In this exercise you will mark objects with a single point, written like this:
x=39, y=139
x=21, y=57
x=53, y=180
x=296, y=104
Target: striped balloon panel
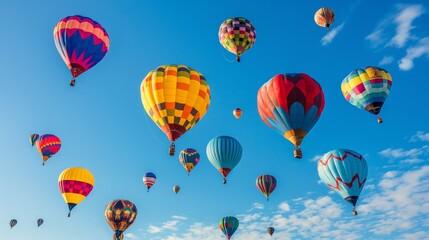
x=149, y=179
x=266, y=184
x=175, y=97
x=48, y=145
x=75, y=184
x=224, y=152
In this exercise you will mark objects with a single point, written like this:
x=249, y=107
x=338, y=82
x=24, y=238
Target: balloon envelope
x=237, y=35
x=324, y=17
x=39, y=222
x=270, y=230
x=149, y=180
x=224, y=153
x=48, y=145
x=189, y=158
x=228, y=225
x=237, y=113
x=367, y=88
x=81, y=43
x=12, y=223
x=120, y=214
x=75, y=185
x=176, y=189
x=266, y=184
x=291, y=104
x=175, y=97
x=345, y=172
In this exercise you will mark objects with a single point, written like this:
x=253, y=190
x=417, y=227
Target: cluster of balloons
x=177, y=97
x=13, y=222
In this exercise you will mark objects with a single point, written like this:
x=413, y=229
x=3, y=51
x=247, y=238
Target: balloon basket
x=297, y=153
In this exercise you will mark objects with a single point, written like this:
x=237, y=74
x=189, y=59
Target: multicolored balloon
x=175, y=97
x=47, y=145
x=270, y=230
x=324, y=17
x=237, y=35
x=224, y=153
x=33, y=139
x=228, y=225
x=345, y=172
x=367, y=89
x=149, y=180
x=189, y=158
x=120, y=214
x=81, y=42
x=266, y=184
x=75, y=185
x=176, y=189
x=291, y=104
x=39, y=222
x=13, y=223
x=237, y=113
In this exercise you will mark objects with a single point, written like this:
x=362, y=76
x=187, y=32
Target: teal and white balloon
x=224, y=153
x=345, y=172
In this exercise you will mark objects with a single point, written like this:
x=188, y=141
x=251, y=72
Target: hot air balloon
x=237, y=35
x=12, y=223
x=189, y=158
x=270, y=230
x=39, y=222
x=176, y=189
x=228, y=225
x=367, y=89
x=175, y=97
x=345, y=172
x=47, y=145
x=291, y=104
x=33, y=139
x=266, y=184
x=120, y=215
x=224, y=153
x=149, y=180
x=324, y=17
x=237, y=113
x=75, y=185
x=81, y=42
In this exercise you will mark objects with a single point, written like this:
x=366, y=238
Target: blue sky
x=104, y=128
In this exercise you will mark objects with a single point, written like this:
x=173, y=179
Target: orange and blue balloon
x=345, y=172
x=149, y=180
x=237, y=113
x=189, y=158
x=266, y=184
x=228, y=225
x=224, y=153
x=81, y=42
x=291, y=104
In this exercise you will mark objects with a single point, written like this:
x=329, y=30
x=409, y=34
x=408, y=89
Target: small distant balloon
x=324, y=17
x=39, y=222
x=33, y=139
x=149, y=180
x=13, y=223
x=270, y=230
x=266, y=184
x=176, y=189
x=237, y=113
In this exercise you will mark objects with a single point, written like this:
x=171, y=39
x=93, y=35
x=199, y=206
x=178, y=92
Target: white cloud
x=331, y=34
x=257, y=206
x=386, y=60
x=284, y=207
x=404, y=20
x=154, y=229
x=316, y=158
x=179, y=217
x=131, y=236
x=244, y=218
x=168, y=225
x=421, y=49
x=401, y=153
x=420, y=135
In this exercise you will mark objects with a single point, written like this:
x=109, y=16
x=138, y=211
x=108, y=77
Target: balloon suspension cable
x=379, y=119
x=68, y=215
x=43, y=163
x=172, y=149
x=268, y=199
x=237, y=58
x=188, y=174
x=148, y=189
x=73, y=82
x=151, y=133
x=328, y=26
x=223, y=53
x=224, y=180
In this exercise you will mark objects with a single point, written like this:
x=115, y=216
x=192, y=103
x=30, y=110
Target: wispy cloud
x=257, y=206
x=420, y=135
x=404, y=20
x=168, y=225
x=316, y=158
x=386, y=60
x=284, y=207
x=179, y=217
x=421, y=49
x=131, y=236
x=331, y=34
x=401, y=153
